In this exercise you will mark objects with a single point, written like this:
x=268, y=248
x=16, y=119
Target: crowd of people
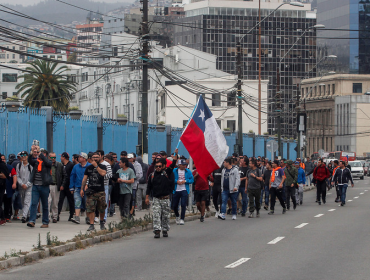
x=35, y=185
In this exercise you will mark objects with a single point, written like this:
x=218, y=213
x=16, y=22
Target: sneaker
x=28, y=224
x=271, y=212
x=294, y=207
x=110, y=214
x=58, y=218
x=216, y=215
x=96, y=220
x=102, y=226
x=87, y=220
x=265, y=207
x=54, y=221
x=251, y=215
x=284, y=210
x=243, y=214
x=164, y=233
x=319, y=202
x=234, y=217
x=2, y=222
x=182, y=222
x=157, y=234
x=23, y=220
x=258, y=214
x=8, y=220
x=221, y=216
x=91, y=228
x=44, y=226
x=76, y=220
x=342, y=204
x=337, y=200
x=301, y=202
x=177, y=220
x=202, y=219
x=70, y=219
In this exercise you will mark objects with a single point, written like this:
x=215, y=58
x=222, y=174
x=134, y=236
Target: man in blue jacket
x=183, y=178
x=342, y=177
x=75, y=183
x=301, y=181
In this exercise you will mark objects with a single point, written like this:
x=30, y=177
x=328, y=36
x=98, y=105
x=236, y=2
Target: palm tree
x=44, y=85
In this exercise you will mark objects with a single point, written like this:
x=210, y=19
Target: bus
x=348, y=156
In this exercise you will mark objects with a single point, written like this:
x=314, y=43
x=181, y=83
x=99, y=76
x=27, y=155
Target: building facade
x=7, y=56
x=350, y=42
x=216, y=26
x=336, y=107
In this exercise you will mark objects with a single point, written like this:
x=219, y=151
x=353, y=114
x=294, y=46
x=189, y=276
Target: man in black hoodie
x=160, y=186
x=4, y=174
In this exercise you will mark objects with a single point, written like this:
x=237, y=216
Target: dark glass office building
x=216, y=30
x=351, y=41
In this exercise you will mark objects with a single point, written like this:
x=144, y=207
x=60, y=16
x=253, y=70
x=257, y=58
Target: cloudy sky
x=30, y=2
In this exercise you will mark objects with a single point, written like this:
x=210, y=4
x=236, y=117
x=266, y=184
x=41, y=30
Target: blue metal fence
x=157, y=141
x=175, y=138
x=118, y=138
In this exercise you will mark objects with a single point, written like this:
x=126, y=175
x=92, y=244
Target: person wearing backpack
x=253, y=188
x=141, y=189
x=24, y=170
x=160, y=186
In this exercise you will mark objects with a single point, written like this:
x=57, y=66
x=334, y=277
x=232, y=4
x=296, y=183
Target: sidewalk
x=18, y=236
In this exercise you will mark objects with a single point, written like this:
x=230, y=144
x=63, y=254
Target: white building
x=7, y=56
x=176, y=112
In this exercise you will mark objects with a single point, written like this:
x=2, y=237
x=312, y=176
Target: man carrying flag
x=204, y=141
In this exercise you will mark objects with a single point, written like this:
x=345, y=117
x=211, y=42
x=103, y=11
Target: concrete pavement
x=329, y=246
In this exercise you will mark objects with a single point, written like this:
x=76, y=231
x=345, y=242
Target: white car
x=357, y=169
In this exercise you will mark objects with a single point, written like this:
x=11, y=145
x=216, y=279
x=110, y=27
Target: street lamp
x=240, y=75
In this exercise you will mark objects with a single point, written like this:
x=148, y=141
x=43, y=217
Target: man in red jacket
x=320, y=174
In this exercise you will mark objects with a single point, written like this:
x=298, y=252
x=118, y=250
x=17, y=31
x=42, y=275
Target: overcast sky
x=30, y=2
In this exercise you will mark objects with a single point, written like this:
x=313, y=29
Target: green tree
x=45, y=85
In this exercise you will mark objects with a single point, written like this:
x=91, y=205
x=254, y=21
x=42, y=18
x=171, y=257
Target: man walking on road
x=160, y=187
x=141, y=188
x=342, y=177
x=253, y=188
x=24, y=170
x=276, y=186
x=64, y=190
x=291, y=174
x=301, y=182
x=320, y=174
x=243, y=170
x=336, y=166
x=95, y=190
x=201, y=193
x=308, y=171
x=230, y=182
x=107, y=176
x=58, y=176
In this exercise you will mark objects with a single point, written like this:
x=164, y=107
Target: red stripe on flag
x=193, y=140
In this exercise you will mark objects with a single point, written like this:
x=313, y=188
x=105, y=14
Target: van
x=357, y=169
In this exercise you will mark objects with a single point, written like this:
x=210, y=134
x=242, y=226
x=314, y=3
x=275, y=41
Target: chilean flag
x=204, y=140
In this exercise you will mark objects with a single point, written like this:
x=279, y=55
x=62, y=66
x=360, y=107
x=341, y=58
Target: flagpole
x=192, y=113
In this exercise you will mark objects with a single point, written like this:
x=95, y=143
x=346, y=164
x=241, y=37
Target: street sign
x=272, y=146
x=321, y=152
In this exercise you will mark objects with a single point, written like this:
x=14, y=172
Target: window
x=333, y=88
x=9, y=78
x=357, y=87
x=231, y=125
x=216, y=99
x=4, y=95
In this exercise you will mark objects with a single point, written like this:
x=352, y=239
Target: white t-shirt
x=181, y=178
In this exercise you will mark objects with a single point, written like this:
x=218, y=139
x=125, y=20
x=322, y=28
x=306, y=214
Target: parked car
x=357, y=169
x=367, y=168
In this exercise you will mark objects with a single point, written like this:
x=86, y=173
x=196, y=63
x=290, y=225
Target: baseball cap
x=296, y=162
x=90, y=155
x=23, y=153
x=18, y=154
x=183, y=162
x=163, y=153
x=84, y=155
x=12, y=156
x=124, y=153
x=130, y=156
x=65, y=155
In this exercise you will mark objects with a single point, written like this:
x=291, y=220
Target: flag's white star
x=202, y=115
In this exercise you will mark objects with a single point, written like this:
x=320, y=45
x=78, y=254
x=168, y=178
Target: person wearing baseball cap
x=183, y=177
x=164, y=155
x=75, y=183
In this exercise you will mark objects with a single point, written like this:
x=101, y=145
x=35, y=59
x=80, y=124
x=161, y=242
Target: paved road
x=332, y=246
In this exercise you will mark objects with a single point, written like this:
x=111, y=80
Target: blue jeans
x=183, y=195
x=266, y=191
x=244, y=199
x=106, y=189
x=112, y=205
x=40, y=192
x=225, y=195
x=343, y=191
x=80, y=202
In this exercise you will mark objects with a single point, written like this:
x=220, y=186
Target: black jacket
x=161, y=183
x=45, y=171
x=342, y=176
x=68, y=170
x=60, y=175
x=3, y=169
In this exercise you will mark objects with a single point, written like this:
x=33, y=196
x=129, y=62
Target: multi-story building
x=9, y=80
x=216, y=26
x=350, y=41
x=337, y=109
x=7, y=56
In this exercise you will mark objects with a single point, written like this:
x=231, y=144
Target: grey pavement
x=332, y=246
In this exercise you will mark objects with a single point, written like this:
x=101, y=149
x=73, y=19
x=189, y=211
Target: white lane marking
x=302, y=225
x=349, y=200
x=365, y=190
x=329, y=193
x=237, y=263
x=331, y=210
x=355, y=197
x=276, y=240
x=317, y=216
x=362, y=193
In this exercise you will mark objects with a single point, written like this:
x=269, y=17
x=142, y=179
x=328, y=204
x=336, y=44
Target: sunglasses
x=158, y=166
x=23, y=155
x=53, y=157
x=114, y=157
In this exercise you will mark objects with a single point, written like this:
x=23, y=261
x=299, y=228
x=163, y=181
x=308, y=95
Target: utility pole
x=278, y=109
x=239, y=89
x=144, y=55
x=259, y=70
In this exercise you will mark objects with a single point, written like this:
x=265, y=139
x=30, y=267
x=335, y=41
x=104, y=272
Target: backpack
x=152, y=175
